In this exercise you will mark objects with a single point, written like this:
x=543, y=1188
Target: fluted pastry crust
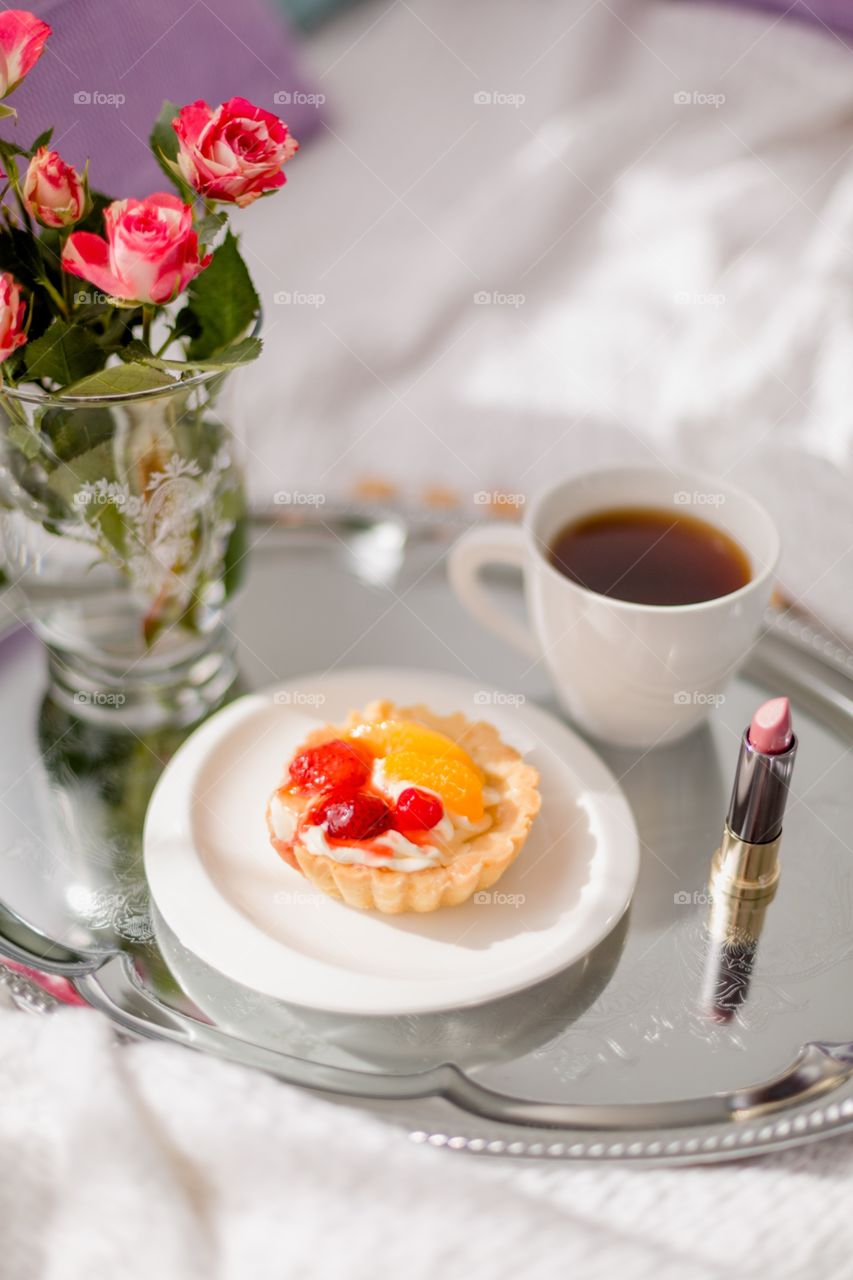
x=481, y=861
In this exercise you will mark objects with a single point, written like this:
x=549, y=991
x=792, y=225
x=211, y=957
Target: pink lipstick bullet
x=770, y=730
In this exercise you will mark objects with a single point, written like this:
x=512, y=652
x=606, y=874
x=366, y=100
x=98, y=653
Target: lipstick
x=747, y=860
x=746, y=865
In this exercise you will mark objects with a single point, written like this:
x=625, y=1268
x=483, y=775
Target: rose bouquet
x=119, y=319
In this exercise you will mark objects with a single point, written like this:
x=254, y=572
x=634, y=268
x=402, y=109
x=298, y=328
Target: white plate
x=231, y=900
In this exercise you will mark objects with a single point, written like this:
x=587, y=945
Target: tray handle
x=24, y=944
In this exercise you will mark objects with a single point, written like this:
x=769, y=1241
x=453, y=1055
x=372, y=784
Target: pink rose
x=22, y=37
x=234, y=153
x=54, y=192
x=150, y=253
x=13, y=309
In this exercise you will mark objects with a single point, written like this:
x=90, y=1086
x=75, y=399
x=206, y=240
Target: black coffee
x=650, y=556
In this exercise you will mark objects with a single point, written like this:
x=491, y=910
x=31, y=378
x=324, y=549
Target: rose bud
x=22, y=37
x=235, y=153
x=150, y=253
x=13, y=311
x=54, y=192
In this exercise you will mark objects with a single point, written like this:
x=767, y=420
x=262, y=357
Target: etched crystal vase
x=122, y=528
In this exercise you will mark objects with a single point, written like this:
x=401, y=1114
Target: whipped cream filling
x=446, y=837
x=402, y=855
x=283, y=819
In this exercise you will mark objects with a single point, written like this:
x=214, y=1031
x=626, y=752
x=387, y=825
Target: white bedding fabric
x=147, y=1161
x=601, y=201
x=686, y=268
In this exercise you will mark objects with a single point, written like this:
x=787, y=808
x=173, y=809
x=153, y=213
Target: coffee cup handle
x=484, y=545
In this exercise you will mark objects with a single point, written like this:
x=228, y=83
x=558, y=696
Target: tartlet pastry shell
x=481, y=861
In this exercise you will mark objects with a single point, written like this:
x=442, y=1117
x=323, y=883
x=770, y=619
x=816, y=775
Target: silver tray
x=615, y=1059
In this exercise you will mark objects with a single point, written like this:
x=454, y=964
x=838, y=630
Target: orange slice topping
x=386, y=736
x=426, y=758
x=459, y=784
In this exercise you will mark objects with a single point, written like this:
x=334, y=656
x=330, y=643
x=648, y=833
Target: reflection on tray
x=734, y=927
x=97, y=781
x=499, y=1031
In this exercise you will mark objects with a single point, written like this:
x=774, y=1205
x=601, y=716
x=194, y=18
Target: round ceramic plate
x=232, y=901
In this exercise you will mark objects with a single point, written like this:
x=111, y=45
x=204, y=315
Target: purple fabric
x=836, y=14
x=144, y=51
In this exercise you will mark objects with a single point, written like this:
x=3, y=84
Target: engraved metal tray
x=615, y=1059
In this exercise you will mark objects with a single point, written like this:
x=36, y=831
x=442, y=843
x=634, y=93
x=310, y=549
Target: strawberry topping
x=417, y=810
x=335, y=765
x=355, y=815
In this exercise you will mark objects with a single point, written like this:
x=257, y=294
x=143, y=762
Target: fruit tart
x=399, y=809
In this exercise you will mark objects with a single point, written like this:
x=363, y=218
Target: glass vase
x=122, y=528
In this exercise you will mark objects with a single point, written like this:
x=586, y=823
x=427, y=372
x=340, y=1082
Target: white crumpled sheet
x=150, y=1161
x=686, y=268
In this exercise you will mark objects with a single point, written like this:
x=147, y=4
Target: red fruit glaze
x=417, y=810
x=354, y=815
x=331, y=766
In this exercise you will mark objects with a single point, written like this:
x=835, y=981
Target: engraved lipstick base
x=742, y=884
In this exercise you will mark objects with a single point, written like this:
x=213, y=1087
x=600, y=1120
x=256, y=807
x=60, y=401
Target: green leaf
x=113, y=528
x=120, y=380
x=19, y=255
x=164, y=144
x=136, y=350
x=223, y=301
x=42, y=140
x=209, y=228
x=235, y=556
x=21, y=436
x=12, y=148
x=64, y=353
x=6, y=111
x=186, y=325
x=86, y=468
x=242, y=352
x=72, y=432
x=14, y=366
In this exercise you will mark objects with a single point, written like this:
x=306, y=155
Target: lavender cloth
x=835, y=14
x=108, y=67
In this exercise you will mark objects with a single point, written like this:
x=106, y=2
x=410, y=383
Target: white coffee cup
x=633, y=674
